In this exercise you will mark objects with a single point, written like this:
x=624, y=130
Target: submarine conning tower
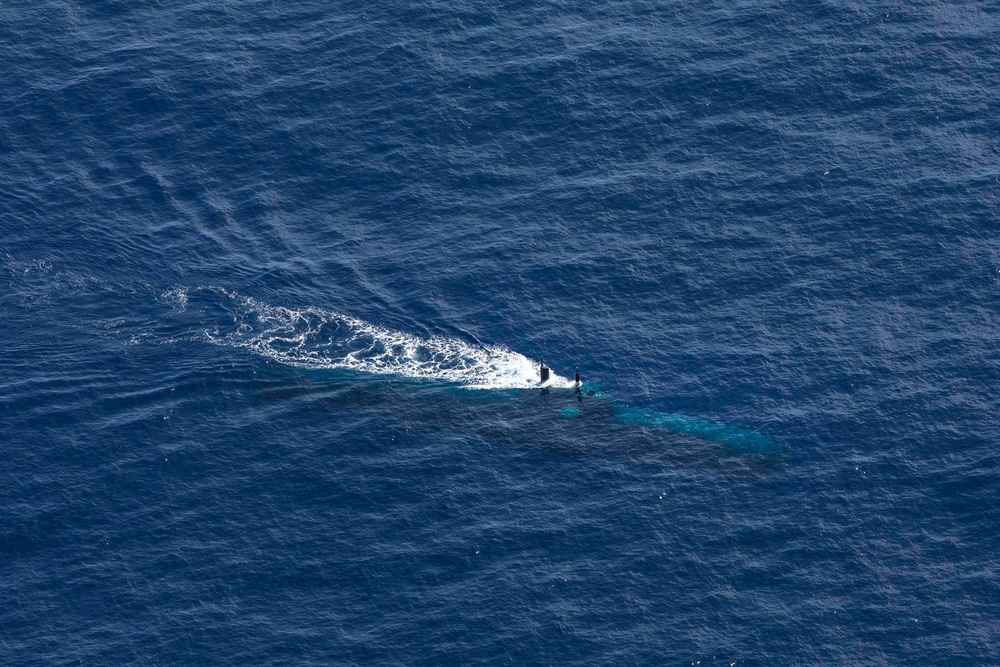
x=543, y=371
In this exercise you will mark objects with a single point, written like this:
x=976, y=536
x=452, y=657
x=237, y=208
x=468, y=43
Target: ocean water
x=275, y=277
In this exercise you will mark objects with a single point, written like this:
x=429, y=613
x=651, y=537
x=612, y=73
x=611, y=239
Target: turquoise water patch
x=571, y=411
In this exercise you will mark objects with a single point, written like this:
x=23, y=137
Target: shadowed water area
x=275, y=277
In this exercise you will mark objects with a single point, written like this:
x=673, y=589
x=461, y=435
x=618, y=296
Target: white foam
x=322, y=339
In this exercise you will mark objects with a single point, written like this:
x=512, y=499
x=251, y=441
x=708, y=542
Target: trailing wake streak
x=323, y=339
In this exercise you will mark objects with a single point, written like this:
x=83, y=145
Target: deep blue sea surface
x=275, y=277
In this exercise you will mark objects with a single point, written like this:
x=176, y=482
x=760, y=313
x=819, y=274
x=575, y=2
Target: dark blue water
x=274, y=276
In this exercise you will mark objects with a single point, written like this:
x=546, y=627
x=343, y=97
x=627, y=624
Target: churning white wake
x=317, y=338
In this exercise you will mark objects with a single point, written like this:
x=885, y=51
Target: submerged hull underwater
x=734, y=438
